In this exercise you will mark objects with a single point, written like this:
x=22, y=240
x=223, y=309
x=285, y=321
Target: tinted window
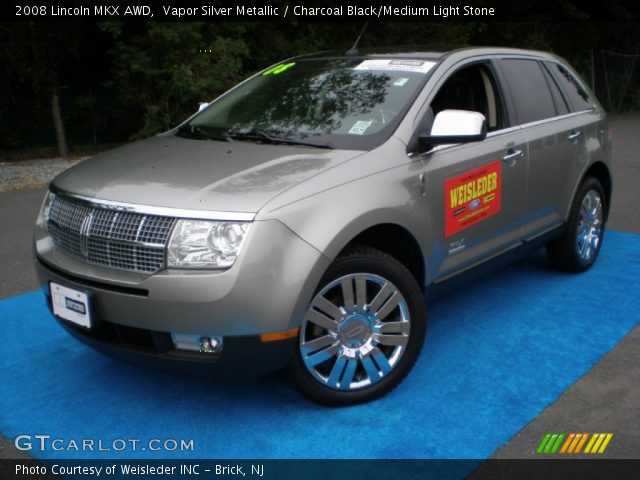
x=561, y=105
x=577, y=94
x=529, y=89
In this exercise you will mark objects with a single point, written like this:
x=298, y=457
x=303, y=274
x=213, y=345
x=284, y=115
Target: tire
x=355, y=347
x=577, y=249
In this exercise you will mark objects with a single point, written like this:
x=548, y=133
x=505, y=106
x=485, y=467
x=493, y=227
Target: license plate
x=71, y=304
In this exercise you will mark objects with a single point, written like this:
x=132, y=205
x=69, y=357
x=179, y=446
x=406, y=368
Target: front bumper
x=242, y=356
x=267, y=290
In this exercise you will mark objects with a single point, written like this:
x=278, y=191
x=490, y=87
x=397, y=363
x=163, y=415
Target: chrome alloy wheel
x=355, y=331
x=589, y=230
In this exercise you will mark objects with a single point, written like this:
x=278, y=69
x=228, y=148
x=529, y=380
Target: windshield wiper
x=191, y=130
x=264, y=137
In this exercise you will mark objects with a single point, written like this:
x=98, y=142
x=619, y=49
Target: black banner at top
x=313, y=10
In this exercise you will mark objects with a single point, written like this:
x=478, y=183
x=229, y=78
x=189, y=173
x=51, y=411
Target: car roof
x=425, y=52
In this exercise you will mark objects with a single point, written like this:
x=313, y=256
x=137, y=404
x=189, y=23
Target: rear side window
x=531, y=95
x=578, y=96
x=561, y=105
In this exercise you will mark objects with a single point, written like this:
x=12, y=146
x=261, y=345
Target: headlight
x=205, y=244
x=43, y=218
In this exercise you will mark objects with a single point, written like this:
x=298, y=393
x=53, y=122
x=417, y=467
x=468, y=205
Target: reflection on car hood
x=176, y=172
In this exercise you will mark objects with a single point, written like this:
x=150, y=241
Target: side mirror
x=456, y=126
x=202, y=106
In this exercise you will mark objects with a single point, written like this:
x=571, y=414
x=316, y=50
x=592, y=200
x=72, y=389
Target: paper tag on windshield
x=360, y=127
x=418, y=66
x=400, y=82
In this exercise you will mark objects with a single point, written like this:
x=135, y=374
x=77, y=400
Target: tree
x=168, y=68
x=35, y=55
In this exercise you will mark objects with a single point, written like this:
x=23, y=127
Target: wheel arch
x=600, y=172
x=396, y=241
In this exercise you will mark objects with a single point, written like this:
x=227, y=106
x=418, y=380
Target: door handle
x=573, y=136
x=512, y=156
x=423, y=184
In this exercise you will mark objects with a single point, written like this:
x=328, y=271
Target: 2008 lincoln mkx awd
x=300, y=220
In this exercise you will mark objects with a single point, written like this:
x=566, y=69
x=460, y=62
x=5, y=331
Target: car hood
x=170, y=171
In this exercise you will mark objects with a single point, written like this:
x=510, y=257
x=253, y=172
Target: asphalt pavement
x=606, y=399
x=18, y=211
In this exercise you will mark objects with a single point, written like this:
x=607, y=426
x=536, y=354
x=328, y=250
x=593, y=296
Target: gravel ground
x=32, y=173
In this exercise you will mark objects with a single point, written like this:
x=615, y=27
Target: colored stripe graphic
x=581, y=443
x=591, y=442
x=605, y=443
x=598, y=442
x=555, y=447
x=568, y=442
x=550, y=443
x=573, y=443
x=543, y=443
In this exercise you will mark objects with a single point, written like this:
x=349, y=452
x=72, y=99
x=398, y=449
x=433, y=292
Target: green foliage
x=166, y=69
x=119, y=80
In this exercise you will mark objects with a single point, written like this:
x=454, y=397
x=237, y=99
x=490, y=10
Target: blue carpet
x=497, y=352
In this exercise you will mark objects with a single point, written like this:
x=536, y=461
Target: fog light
x=197, y=343
x=210, y=344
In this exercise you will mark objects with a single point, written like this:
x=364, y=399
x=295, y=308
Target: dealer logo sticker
x=472, y=197
x=574, y=443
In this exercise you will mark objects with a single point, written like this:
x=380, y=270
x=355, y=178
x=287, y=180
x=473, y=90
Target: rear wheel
x=362, y=332
x=576, y=250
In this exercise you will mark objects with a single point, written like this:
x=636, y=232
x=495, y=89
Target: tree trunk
x=58, y=126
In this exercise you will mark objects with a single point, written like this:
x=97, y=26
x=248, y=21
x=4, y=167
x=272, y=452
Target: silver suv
x=299, y=220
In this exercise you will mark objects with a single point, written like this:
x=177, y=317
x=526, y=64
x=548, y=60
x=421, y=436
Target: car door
x=579, y=128
x=474, y=191
x=556, y=143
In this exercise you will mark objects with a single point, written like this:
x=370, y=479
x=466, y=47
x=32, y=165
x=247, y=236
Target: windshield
x=331, y=103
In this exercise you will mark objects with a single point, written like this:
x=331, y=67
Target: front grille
x=103, y=236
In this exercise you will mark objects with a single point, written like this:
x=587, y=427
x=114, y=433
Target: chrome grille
x=113, y=238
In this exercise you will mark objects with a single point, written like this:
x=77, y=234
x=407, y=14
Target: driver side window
x=472, y=88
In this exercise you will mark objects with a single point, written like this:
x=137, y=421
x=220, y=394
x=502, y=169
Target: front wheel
x=576, y=250
x=362, y=332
